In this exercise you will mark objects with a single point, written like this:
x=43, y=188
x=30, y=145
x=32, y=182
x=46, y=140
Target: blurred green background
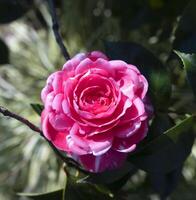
x=27, y=164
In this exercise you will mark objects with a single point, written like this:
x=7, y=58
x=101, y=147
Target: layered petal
x=96, y=110
x=108, y=161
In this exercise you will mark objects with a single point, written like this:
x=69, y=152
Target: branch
x=6, y=112
x=67, y=160
x=55, y=27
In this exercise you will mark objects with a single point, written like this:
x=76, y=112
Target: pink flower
x=95, y=110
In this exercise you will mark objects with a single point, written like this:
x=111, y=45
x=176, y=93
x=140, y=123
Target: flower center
x=95, y=93
x=94, y=99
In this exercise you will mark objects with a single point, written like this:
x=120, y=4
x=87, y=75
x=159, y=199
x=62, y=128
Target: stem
x=8, y=113
x=55, y=27
x=69, y=161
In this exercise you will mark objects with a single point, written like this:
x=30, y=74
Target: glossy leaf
x=109, y=176
x=189, y=62
x=83, y=191
x=165, y=183
x=160, y=123
x=168, y=151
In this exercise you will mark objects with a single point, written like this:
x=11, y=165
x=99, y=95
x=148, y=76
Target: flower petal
x=60, y=122
x=108, y=161
x=94, y=55
x=58, y=82
x=126, y=145
x=57, y=102
x=125, y=131
x=100, y=143
x=77, y=143
x=57, y=138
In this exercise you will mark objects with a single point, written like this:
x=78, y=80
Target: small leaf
x=168, y=151
x=54, y=195
x=189, y=62
x=4, y=53
x=37, y=108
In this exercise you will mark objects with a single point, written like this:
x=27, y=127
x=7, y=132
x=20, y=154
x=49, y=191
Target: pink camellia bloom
x=95, y=110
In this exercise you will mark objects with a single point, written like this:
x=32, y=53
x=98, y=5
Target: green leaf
x=4, y=53
x=160, y=123
x=54, y=195
x=109, y=176
x=175, y=132
x=163, y=183
x=113, y=179
x=189, y=62
x=149, y=65
x=167, y=151
x=84, y=191
x=37, y=108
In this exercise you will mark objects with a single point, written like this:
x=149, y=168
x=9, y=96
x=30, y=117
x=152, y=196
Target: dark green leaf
x=160, y=123
x=11, y=10
x=175, y=132
x=4, y=53
x=109, y=176
x=185, y=34
x=54, y=195
x=163, y=183
x=189, y=62
x=84, y=191
x=37, y=108
x=149, y=65
x=168, y=151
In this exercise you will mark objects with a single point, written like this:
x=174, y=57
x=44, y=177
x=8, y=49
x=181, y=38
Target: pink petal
x=104, y=65
x=70, y=65
x=57, y=82
x=84, y=65
x=136, y=110
x=128, y=90
x=118, y=65
x=45, y=91
x=129, y=144
x=76, y=142
x=51, y=78
x=134, y=68
x=140, y=106
x=108, y=161
x=125, y=131
x=57, y=102
x=57, y=138
x=144, y=86
x=100, y=143
x=141, y=88
x=94, y=55
x=49, y=101
x=60, y=121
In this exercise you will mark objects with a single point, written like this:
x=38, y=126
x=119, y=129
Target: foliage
x=155, y=35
